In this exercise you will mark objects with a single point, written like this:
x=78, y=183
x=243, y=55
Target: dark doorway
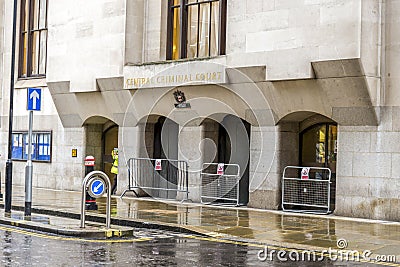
x=166, y=148
x=110, y=141
x=234, y=148
x=318, y=148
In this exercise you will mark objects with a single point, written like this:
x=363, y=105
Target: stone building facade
x=303, y=83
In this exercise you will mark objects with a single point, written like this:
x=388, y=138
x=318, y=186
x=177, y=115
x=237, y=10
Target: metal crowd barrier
x=158, y=178
x=306, y=189
x=220, y=187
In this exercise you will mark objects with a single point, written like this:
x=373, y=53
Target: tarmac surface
x=59, y=212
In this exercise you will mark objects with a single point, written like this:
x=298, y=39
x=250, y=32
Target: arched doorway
x=101, y=139
x=231, y=136
x=165, y=139
x=308, y=139
x=110, y=141
x=161, y=142
x=318, y=148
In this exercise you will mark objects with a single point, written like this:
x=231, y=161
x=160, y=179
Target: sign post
x=33, y=103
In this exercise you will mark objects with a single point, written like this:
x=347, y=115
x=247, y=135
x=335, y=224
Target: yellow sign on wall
x=74, y=152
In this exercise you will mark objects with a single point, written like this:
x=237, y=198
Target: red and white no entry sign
x=220, y=169
x=158, y=167
x=305, y=173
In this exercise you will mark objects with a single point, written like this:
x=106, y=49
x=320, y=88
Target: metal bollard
x=90, y=202
x=97, y=183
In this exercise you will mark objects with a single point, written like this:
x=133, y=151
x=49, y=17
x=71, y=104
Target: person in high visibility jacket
x=114, y=169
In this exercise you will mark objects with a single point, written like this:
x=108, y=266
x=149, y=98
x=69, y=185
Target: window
x=41, y=146
x=196, y=28
x=319, y=145
x=33, y=38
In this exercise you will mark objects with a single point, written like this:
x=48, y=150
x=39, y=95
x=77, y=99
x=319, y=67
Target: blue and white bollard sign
x=96, y=188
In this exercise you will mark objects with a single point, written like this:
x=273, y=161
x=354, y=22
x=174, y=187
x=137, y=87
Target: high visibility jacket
x=114, y=168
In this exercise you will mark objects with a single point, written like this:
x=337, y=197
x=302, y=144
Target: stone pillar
x=129, y=148
x=272, y=148
x=190, y=150
x=264, y=179
x=134, y=31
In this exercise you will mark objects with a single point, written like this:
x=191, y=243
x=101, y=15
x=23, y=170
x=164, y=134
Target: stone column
x=272, y=148
x=264, y=179
x=129, y=144
x=134, y=31
x=190, y=150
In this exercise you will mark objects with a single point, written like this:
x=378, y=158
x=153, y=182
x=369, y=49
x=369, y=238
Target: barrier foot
x=126, y=190
x=123, y=193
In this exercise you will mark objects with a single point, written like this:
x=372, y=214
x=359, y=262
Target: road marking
x=201, y=238
x=54, y=237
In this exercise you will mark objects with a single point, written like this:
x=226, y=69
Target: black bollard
x=90, y=202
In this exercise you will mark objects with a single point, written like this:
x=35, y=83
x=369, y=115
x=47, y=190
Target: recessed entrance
x=101, y=139
x=307, y=156
x=161, y=138
x=231, y=136
x=318, y=148
x=110, y=141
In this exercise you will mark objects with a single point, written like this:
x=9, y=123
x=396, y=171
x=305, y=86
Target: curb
x=53, y=230
x=129, y=223
x=78, y=232
x=136, y=223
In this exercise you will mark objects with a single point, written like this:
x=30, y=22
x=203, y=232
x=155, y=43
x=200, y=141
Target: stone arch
x=98, y=119
x=226, y=139
x=101, y=137
x=308, y=139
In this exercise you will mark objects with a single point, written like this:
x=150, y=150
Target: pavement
x=58, y=212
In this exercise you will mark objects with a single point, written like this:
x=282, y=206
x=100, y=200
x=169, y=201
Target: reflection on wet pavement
x=260, y=226
x=160, y=248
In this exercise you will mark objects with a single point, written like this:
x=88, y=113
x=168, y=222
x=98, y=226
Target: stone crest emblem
x=180, y=100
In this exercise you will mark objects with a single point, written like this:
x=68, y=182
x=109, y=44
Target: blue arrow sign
x=97, y=187
x=34, y=99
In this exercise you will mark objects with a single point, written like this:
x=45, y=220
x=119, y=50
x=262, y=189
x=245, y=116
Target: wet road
x=146, y=248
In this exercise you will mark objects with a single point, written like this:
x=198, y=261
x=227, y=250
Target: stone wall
x=368, y=173
x=93, y=43
x=85, y=42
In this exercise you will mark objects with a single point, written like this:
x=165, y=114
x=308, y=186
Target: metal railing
x=104, y=181
x=220, y=186
x=306, y=189
x=158, y=178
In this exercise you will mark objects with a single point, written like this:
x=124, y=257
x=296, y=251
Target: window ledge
x=30, y=82
x=34, y=160
x=182, y=60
